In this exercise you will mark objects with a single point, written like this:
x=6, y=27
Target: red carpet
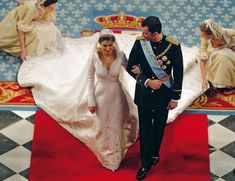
x=58, y=156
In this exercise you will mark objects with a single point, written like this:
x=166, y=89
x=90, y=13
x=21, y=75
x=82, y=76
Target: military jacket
x=169, y=56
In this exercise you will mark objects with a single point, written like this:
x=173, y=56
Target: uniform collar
x=159, y=42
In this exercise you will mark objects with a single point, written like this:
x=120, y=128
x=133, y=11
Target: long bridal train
x=59, y=82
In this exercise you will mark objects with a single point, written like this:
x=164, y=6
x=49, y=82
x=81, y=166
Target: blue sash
x=154, y=66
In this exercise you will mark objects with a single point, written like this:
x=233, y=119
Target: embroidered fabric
x=24, y=27
x=49, y=37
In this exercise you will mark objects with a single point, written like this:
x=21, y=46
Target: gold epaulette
x=140, y=38
x=171, y=40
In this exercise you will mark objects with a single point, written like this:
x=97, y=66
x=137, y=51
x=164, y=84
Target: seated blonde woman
x=31, y=30
x=217, y=55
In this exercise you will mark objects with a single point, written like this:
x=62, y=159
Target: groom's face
x=147, y=34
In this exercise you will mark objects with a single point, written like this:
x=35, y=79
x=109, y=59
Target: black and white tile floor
x=16, y=133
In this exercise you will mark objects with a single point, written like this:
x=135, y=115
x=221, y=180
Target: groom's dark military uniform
x=152, y=104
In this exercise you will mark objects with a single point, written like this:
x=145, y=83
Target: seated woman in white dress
x=28, y=29
x=217, y=55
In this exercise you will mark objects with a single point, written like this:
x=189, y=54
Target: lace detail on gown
x=49, y=37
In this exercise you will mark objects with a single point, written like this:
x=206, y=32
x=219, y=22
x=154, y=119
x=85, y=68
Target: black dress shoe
x=141, y=174
x=155, y=160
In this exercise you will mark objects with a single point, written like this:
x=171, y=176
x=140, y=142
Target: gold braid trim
x=154, y=57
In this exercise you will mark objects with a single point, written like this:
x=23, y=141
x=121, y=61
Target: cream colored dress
x=41, y=34
x=220, y=61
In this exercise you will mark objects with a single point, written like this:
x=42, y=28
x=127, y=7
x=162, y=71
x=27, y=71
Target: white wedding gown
x=59, y=86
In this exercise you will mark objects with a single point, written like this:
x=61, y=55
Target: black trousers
x=152, y=122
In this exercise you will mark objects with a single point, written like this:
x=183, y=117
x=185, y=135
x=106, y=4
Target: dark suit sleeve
x=134, y=59
x=178, y=69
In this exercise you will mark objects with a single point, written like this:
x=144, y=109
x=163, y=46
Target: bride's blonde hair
x=212, y=28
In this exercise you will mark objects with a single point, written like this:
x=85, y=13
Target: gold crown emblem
x=121, y=21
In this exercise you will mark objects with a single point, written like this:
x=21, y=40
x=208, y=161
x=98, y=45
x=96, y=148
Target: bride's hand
x=92, y=109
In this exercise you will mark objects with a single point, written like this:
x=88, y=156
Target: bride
x=59, y=86
x=73, y=85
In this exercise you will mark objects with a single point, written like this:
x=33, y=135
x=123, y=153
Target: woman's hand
x=204, y=84
x=135, y=69
x=23, y=55
x=92, y=109
x=233, y=48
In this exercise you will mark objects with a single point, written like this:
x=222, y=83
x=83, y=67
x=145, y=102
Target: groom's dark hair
x=153, y=23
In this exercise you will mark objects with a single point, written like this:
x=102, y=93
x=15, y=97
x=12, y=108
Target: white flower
x=219, y=10
x=144, y=8
x=69, y=20
x=123, y=1
x=196, y=2
x=174, y=8
x=62, y=13
x=181, y=2
x=10, y=75
x=190, y=23
x=204, y=9
x=85, y=6
x=182, y=31
x=174, y=23
x=115, y=7
x=4, y=66
x=76, y=28
x=226, y=3
x=211, y=3
x=233, y=11
x=108, y=1
x=167, y=16
x=189, y=9
x=227, y=18
x=182, y=15
x=190, y=39
x=77, y=13
x=70, y=6
x=100, y=6
x=130, y=7
x=84, y=21
x=197, y=16
x=159, y=8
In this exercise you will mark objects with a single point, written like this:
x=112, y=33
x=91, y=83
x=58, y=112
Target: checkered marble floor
x=16, y=133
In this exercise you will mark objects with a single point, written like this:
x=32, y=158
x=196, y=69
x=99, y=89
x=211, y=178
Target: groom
x=157, y=88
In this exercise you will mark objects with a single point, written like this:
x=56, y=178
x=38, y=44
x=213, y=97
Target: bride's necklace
x=107, y=61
